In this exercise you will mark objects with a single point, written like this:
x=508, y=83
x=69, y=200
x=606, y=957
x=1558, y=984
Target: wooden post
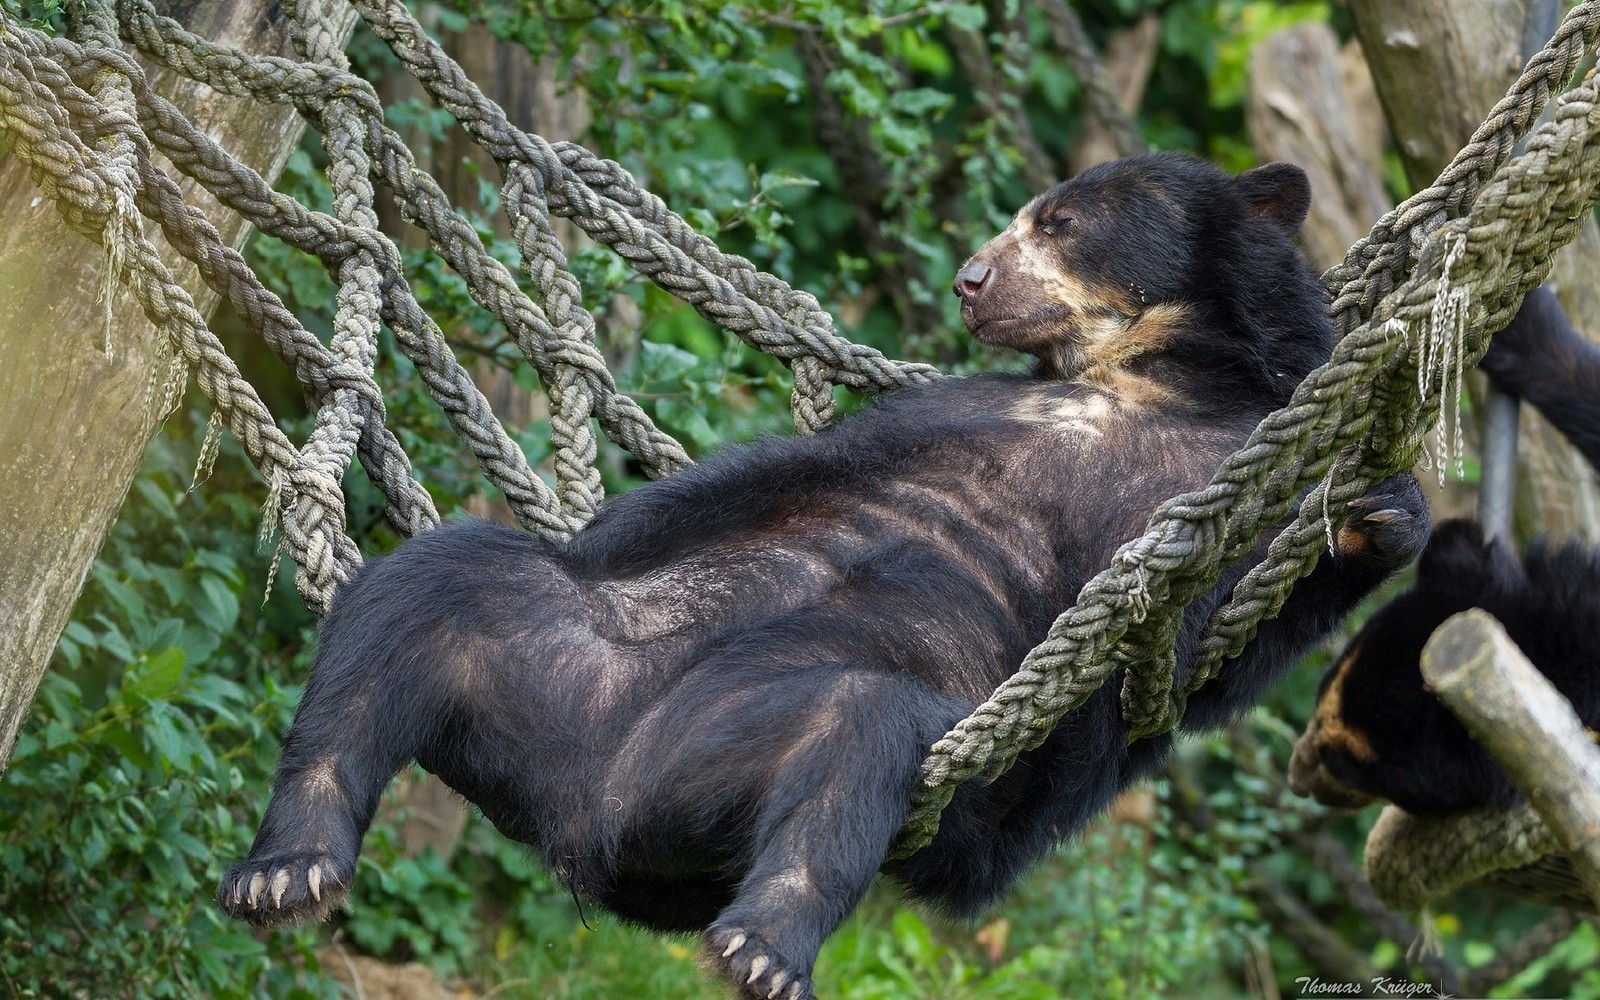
x=1528, y=728
x=1306, y=107
x=75, y=419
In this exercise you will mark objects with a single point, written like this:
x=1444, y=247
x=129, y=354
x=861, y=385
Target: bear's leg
x=1542, y=360
x=378, y=695
x=329, y=780
x=833, y=808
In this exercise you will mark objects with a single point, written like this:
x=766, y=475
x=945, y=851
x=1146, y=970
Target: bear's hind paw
x=283, y=888
x=753, y=967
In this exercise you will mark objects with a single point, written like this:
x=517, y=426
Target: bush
x=154, y=734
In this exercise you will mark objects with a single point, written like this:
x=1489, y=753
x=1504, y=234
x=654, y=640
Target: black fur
x=1541, y=359
x=1377, y=732
x=706, y=712
x=1418, y=755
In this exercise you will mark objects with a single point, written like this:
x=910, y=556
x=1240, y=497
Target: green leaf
x=160, y=501
x=163, y=736
x=122, y=740
x=965, y=16
x=219, y=610
x=57, y=735
x=123, y=595
x=155, y=676
x=80, y=633
x=665, y=363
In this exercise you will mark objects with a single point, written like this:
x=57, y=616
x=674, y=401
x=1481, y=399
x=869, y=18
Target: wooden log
x=1528, y=728
x=1128, y=57
x=1439, y=66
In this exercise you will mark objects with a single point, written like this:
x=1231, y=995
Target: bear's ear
x=1280, y=192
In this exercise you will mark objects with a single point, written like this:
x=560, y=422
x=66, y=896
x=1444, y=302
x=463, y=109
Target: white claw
x=314, y=882
x=734, y=945
x=280, y=883
x=779, y=978
x=757, y=967
x=794, y=990
x=258, y=882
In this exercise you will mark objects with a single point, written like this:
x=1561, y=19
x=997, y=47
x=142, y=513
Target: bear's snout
x=972, y=280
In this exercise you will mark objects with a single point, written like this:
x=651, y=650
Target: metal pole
x=1497, y=486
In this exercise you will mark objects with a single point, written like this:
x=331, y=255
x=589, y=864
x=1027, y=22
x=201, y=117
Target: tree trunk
x=1128, y=57
x=1308, y=105
x=1439, y=66
x=75, y=417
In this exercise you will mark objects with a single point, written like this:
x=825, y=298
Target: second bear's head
x=1159, y=268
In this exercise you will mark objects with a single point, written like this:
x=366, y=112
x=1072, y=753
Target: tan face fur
x=1079, y=328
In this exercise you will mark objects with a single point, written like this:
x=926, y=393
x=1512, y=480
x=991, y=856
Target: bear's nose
x=971, y=280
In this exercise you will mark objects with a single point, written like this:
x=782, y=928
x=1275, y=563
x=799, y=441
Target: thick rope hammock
x=1412, y=303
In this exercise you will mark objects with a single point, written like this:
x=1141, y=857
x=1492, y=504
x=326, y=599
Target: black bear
x=1377, y=732
x=707, y=710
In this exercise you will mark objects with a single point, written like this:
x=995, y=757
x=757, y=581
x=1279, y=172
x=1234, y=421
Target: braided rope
x=226, y=271
x=1412, y=859
x=468, y=412
x=571, y=367
x=93, y=196
x=1382, y=259
x=727, y=290
x=556, y=334
x=236, y=185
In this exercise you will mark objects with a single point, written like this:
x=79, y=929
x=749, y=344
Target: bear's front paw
x=282, y=888
x=754, y=968
x=1389, y=526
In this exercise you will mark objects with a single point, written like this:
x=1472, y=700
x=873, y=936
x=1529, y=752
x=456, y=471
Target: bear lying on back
x=1377, y=732
x=706, y=711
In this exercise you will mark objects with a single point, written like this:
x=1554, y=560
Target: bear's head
x=1377, y=732
x=1161, y=268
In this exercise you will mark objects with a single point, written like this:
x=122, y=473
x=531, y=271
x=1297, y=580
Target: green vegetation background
x=147, y=760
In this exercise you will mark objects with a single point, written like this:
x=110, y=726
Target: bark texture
x=1528, y=728
x=75, y=418
x=1312, y=105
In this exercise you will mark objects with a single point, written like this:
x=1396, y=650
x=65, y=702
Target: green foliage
x=48, y=16
x=1117, y=914
x=141, y=770
x=1575, y=961
x=418, y=906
